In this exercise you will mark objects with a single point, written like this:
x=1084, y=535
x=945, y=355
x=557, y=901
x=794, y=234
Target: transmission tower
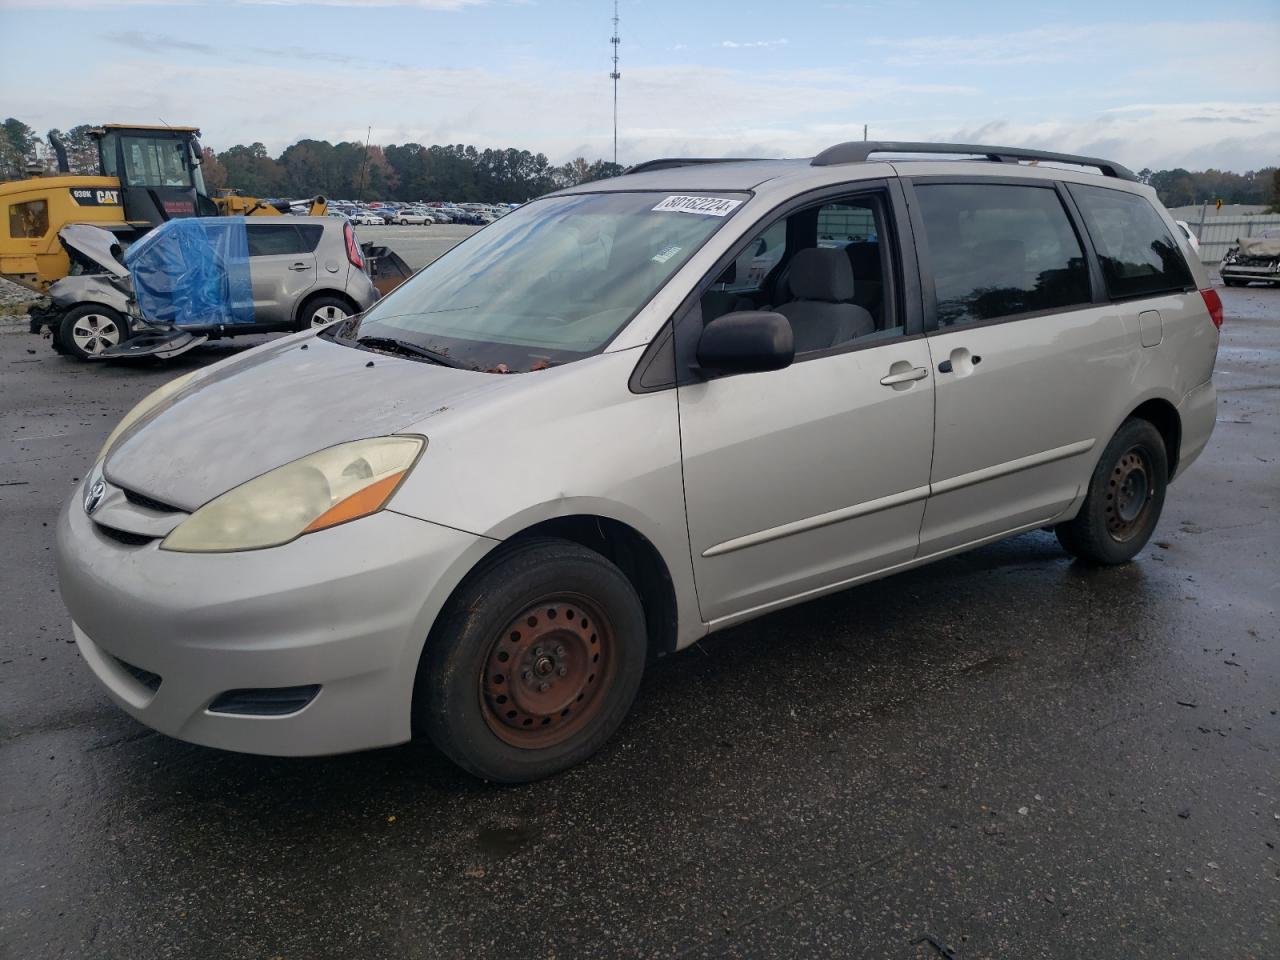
x=615, y=76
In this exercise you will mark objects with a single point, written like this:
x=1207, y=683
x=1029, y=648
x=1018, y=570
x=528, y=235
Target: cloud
x=735, y=45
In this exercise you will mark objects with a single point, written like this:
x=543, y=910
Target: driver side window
x=827, y=268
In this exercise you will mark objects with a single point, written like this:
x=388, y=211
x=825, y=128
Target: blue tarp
x=193, y=272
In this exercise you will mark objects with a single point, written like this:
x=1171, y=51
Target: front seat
x=821, y=284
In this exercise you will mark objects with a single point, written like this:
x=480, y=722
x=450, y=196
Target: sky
x=1153, y=85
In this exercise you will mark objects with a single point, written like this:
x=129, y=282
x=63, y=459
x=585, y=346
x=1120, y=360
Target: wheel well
x=1162, y=415
x=311, y=297
x=635, y=556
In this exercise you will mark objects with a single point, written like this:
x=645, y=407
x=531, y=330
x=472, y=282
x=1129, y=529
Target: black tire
x=323, y=306
x=88, y=329
x=1124, y=500
x=577, y=596
x=1233, y=283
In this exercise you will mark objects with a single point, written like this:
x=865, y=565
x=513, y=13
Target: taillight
x=1213, y=303
x=353, y=254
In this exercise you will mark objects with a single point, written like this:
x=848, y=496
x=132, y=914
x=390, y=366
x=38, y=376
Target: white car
x=367, y=219
x=1191, y=237
x=407, y=217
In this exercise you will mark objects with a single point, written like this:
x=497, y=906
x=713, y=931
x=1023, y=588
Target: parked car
x=565, y=446
x=302, y=272
x=1253, y=258
x=367, y=218
x=1189, y=234
x=410, y=216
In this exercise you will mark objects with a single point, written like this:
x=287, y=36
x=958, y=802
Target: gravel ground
x=1011, y=753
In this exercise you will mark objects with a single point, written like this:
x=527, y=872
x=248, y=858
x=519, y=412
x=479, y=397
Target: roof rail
x=857, y=151
x=668, y=163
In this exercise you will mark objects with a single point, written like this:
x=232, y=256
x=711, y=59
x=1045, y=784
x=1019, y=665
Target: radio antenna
x=615, y=76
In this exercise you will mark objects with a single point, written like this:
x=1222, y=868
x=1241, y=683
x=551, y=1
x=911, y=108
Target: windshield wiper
x=393, y=345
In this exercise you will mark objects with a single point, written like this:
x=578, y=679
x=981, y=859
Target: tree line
x=413, y=171
x=346, y=170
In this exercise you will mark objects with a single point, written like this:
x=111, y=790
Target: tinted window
x=310, y=234
x=999, y=251
x=268, y=239
x=1139, y=257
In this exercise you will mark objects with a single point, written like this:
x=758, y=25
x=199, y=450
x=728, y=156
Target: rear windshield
x=548, y=283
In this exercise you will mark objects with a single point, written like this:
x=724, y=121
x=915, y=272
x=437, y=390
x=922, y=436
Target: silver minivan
x=624, y=416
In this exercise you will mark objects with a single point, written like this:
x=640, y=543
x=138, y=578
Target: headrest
x=821, y=274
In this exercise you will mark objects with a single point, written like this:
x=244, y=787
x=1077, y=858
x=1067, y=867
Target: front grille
x=265, y=701
x=124, y=536
x=148, y=503
x=145, y=677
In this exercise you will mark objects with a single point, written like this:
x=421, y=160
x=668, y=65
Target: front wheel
x=534, y=662
x=89, y=329
x=1124, y=500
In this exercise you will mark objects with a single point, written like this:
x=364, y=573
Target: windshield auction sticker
x=706, y=206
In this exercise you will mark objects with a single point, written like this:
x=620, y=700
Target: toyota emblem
x=94, y=496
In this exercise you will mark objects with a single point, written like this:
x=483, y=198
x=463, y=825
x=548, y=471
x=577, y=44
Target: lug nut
x=560, y=651
x=542, y=687
x=527, y=675
x=563, y=671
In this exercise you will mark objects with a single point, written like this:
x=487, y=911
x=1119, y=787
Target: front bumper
x=347, y=608
x=1229, y=271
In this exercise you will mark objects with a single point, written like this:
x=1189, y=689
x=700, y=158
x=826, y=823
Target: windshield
x=548, y=283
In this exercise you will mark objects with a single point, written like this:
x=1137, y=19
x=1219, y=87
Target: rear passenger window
x=1000, y=251
x=272, y=239
x=1139, y=256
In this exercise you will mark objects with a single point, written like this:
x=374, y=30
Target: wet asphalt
x=1008, y=752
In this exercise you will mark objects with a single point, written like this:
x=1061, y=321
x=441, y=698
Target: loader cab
x=158, y=169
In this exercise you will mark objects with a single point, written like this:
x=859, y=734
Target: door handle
x=915, y=373
x=299, y=266
x=946, y=366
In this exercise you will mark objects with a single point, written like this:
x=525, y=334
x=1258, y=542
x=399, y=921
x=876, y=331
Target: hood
x=1259, y=246
x=95, y=244
x=275, y=404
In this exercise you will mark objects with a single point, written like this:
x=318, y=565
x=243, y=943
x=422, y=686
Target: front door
x=803, y=479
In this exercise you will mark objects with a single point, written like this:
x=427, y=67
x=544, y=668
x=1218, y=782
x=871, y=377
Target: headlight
x=143, y=407
x=324, y=489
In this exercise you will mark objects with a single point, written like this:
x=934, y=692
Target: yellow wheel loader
x=148, y=175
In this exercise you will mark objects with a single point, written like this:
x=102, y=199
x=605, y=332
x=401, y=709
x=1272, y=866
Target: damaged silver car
x=1252, y=259
x=300, y=272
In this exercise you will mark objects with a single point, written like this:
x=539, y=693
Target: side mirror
x=747, y=341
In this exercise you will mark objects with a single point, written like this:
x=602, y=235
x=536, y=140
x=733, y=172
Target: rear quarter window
x=1139, y=256
x=274, y=239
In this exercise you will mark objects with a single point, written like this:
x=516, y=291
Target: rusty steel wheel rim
x=548, y=673
x=1129, y=492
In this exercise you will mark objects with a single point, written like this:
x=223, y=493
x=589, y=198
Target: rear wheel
x=89, y=329
x=1125, y=497
x=534, y=663
x=323, y=311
